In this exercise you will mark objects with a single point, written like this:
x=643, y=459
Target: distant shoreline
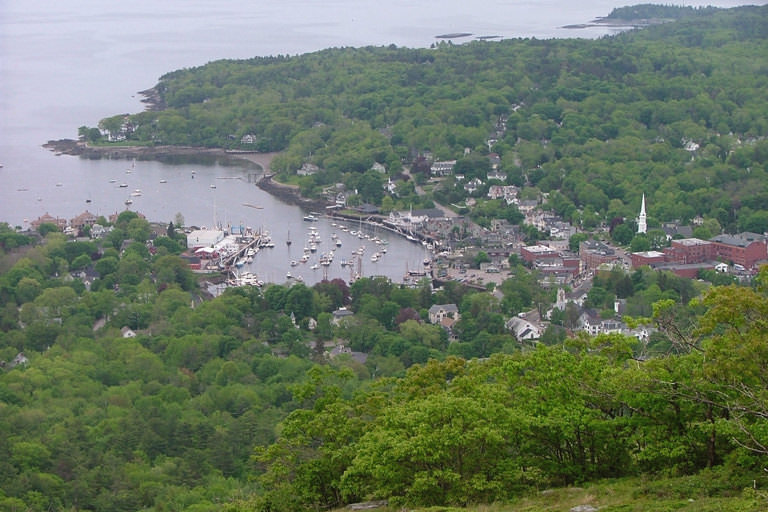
x=619, y=23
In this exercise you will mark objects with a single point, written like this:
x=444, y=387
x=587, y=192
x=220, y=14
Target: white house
x=340, y=315
x=523, y=329
x=444, y=168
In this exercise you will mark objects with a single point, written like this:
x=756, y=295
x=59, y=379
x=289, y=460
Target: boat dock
x=230, y=252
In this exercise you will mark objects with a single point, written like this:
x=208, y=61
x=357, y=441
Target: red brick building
x=650, y=258
x=689, y=250
x=534, y=253
x=744, y=249
x=593, y=254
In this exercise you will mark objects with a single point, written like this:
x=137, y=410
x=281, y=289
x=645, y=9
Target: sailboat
x=288, y=240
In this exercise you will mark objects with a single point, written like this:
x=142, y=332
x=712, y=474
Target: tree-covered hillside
x=677, y=110
x=122, y=390
x=124, y=386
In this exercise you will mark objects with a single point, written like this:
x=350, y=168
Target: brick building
x=649, y=258
x=532, y=253
x=593, y=254
x=689, y=250
x=744, y=249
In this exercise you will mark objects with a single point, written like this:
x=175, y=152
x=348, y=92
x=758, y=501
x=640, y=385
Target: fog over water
x=67, y=64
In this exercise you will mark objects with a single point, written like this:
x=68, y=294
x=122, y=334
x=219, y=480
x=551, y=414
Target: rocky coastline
x=289, y=194
x=77, y=148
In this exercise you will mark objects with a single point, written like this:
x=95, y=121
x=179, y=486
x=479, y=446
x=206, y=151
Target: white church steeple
x=642, y=226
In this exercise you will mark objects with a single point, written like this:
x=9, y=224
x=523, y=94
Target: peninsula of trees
x=676, y=110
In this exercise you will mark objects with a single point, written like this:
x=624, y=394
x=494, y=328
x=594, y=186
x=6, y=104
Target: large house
x=443, y=168
x=523, y=329
x=438, y=312
x=49, y=219
x=84, y=219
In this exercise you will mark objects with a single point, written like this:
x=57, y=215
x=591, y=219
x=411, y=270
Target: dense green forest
x=132, y=392
x=676, y=110
x=125, y=386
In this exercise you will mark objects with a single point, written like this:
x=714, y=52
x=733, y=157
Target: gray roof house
x=440, y=311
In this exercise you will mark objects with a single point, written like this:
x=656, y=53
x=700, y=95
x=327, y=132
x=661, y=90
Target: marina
x=247, y=252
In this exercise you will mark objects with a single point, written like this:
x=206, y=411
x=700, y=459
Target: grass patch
x=709, y=491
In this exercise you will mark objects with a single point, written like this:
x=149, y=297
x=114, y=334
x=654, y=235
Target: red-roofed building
x=49, y=219
x=84, y=219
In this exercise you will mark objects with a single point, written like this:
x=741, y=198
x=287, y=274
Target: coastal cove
x=212, y=188
x=68, y=67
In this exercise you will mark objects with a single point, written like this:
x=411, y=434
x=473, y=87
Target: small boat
x=338, y=243
x=87, y=200
x=59, y=184
x=288, y=240
x=313, y=248
x=315, y=266
x=136, y=192
x=163, y=181
x=310, y=218
x=128, y=201
x=294, y=263
x=113, y=180
x=288, y=275
x=240, y=262
x=123, y=185
x=213, y=186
